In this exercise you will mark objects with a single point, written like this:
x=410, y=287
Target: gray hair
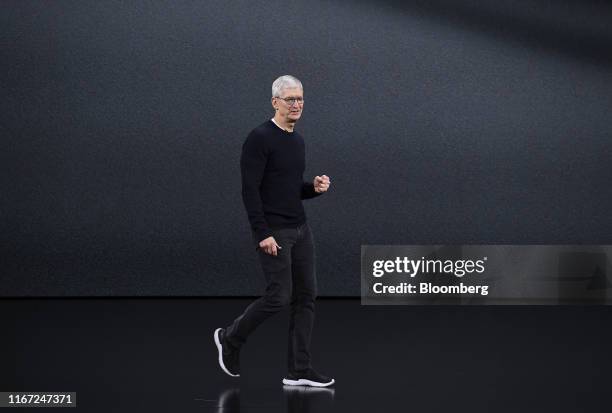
x=284, y=82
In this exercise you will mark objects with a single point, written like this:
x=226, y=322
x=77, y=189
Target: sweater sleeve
x=252, y=166
x=308, y=191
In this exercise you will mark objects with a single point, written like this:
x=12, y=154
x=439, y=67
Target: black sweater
x=272, y=167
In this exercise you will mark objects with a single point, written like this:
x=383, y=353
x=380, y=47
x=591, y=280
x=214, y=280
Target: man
x=272, y=166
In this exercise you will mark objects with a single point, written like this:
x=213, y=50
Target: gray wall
x=439, y=122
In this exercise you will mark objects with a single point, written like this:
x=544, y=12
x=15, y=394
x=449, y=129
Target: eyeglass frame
x=295, y=100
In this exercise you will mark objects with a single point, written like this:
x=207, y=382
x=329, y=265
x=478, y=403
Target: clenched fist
x=321, y=183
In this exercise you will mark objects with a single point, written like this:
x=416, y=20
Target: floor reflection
x=304, y=399
x=298, y=399
x=229, y=401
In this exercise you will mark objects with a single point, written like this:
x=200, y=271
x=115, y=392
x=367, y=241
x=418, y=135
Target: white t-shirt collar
x=279, y=125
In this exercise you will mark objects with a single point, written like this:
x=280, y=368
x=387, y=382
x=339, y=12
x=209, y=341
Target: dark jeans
x=291, y=280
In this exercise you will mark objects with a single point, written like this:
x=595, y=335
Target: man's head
x=288, y=98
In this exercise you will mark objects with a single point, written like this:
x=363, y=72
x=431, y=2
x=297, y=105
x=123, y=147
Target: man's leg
x=304, y=294
x=302, y=300
x=277, y=270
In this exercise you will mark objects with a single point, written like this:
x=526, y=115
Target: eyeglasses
x=292, y=101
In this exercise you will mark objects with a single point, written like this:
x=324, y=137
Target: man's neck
x=284, y=125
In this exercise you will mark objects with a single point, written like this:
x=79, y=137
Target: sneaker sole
x=304, y=382
x=220, y=351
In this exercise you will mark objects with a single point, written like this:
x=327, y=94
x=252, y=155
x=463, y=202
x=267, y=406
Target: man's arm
x=252, y=166
x=308, y=191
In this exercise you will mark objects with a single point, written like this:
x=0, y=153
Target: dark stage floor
x=154, y=355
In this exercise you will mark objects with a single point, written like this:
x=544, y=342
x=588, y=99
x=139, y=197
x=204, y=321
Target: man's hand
x=269, y=246
x=321, y=183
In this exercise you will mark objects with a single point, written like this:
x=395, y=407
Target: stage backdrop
x=439, y=122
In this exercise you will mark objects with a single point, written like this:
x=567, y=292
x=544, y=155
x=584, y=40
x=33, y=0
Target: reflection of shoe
x=308, y=378
x=229, y=401
x=229, y=358
x=293, y=391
